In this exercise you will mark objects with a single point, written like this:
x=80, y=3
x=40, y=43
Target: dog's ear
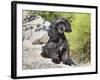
x=69, y=22
x=55, y=21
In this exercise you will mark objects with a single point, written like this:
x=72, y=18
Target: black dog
x=57, y=47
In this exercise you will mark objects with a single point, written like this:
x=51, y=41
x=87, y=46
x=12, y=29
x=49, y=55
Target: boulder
x=36, y=30
x=39, y=37
x=34, y=22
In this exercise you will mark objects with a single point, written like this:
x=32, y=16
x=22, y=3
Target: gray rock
x=35, y=35
x=36, y=30
x=34, y=22
x=33, y=60
x=47, y=23
x=39, y=37
x=27, y=34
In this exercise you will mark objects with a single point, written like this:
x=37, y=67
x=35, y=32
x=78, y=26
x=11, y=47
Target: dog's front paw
x=45, y=55
x=56, y=60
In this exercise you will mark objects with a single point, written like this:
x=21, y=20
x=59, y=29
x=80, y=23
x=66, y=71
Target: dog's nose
x=70, y=30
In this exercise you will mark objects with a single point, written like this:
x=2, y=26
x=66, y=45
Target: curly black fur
x=57, y=47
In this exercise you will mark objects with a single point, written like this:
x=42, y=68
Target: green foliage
x=79, y=38
x=80, y=30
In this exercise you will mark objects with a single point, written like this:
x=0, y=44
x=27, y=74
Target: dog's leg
x=56, y=60
x=44, y=53
x=55, y=57
x=66, y=59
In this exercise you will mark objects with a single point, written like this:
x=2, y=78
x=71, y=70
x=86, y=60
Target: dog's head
x=62, y=25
